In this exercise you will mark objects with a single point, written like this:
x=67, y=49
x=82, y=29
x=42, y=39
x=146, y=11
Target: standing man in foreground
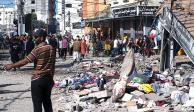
x=42, y=77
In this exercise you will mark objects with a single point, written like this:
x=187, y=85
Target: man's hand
x=8, y=66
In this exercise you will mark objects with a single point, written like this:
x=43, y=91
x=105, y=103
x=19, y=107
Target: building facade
x=92, y=8
x=40, y=7
x=131, y=17
x=7, y=16
x=68, y=16
x=135, y=17
x=92, y=13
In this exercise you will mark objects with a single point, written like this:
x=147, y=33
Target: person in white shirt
x=87, y=44
x=115, y=44
x=115, y=47
x=60, y=47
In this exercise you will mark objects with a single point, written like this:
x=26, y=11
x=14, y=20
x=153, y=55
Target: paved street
x=15, y=94
x=15, y=91
x=140, y=55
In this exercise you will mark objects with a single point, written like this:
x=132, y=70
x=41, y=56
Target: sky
x=7, y=3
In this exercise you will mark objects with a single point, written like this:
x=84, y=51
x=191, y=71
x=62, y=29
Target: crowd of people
x=80, y=47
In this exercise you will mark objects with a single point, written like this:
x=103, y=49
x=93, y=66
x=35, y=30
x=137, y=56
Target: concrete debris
x=129, y=84
x=137, y=93
x=154, y=97
x=127, y=97
x=189, y=103
x=101, y=94
x=132, y=106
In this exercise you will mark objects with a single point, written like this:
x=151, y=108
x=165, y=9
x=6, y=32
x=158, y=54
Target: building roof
x=184, y=12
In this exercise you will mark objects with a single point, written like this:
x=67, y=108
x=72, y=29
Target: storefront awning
x=98, y=19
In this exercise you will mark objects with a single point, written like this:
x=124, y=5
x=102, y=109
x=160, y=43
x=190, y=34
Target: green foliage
x=38, y=24
x=59, y=36
x=28, y=23
x=32, y=23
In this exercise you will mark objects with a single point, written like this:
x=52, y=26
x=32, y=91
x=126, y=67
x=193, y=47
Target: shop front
x=134, y=21
x=101, y=26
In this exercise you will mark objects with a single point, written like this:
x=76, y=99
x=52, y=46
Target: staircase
x=179, y=22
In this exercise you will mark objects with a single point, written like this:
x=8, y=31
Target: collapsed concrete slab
x=127, y=69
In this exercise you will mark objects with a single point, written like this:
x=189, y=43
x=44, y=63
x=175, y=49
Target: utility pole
x=69, y=20
x=51, y=21
x=171, y=41
x=145, y=18
x=21, y=24
x=9, y=25
x=167, y=46
x=63, y=12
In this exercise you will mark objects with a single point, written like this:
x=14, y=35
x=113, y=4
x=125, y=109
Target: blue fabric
x=156, y=87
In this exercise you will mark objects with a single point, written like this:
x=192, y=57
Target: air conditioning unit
x=125, y=1
x=115, y=2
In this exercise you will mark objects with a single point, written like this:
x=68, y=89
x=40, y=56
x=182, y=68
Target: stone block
x=85, y=98
x=131, y=103
x=61, y=111
x=154, y=97
x=100, y=94
x=131, y=106
x=137, y=93
x=94, y=89
x=127, y=97
x=83, y=92
x=189, y=103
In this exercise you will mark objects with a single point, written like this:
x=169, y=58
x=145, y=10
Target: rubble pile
x=133, y=86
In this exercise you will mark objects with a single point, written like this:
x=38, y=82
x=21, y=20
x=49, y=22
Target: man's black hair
x=40, y=33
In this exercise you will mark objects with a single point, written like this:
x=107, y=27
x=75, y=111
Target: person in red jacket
x=83, y=47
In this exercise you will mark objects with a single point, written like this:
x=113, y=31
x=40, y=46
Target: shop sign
x=125, y=12
x=147, y=10
x=135, y=11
